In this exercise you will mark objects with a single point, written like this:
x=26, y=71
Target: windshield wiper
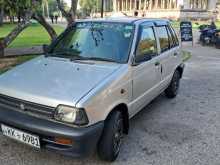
x=64, y=54
x=94, y=59
x=73, y=57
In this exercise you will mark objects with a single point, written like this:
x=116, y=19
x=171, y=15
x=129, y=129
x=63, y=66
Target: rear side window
x=171, y=39
x=147, y=45
x=163, y=38
x=176, y=41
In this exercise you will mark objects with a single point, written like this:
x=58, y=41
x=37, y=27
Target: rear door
x=174, y=42
x=167, y=55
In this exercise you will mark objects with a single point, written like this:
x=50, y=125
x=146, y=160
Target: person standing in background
x=136, y=13
x=56, y=18
x=51, y=17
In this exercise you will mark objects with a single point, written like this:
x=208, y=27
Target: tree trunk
x=4, y=42
x=1, y=15
x=48, y=12
x=70, y=16
x=73, y=9
x=13, y=34
x=43, y=9
x=1, y=48
x=46, y=25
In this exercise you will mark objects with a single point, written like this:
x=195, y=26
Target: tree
x=70, y=14
x=27, y=12
x=37, y=15
x=1, y=14
x=45, y=5
x=26, y=9
x=53, y=8
x=46, y=25
x=89, y=5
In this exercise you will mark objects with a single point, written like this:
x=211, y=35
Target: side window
x=147, y=45
x=163, y=38
x=174, y=36
x=171, y=39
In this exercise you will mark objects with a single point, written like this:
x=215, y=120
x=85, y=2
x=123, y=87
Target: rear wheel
x=173, y=88
x=217, y=44
x=110, y=142
x=203, y=43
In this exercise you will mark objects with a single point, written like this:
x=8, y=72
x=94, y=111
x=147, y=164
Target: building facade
x=193, y=9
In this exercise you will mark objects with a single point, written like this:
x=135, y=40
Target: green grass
x=23, y=59
x=34, y=35
x=19, y=60
x=186, y=55
x=195, y=24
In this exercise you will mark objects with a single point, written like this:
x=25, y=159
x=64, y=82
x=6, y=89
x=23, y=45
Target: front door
x=146, y=73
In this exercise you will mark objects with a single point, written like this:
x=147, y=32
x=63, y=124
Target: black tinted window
x=163, y=38
x=147, y=45
x=176, y=41
x=171, y=38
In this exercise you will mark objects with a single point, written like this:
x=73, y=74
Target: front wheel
x=110, y=142
x=173, y=88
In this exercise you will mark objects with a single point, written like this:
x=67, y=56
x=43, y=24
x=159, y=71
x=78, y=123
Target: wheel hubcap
x=118, y=136
x=176, y=86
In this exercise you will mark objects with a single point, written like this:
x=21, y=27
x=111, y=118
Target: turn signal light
x=63, y=141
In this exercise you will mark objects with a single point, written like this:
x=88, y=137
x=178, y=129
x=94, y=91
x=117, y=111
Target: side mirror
x=46, y=48
x=137, y=59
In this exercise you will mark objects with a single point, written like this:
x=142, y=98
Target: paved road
x=182, y=131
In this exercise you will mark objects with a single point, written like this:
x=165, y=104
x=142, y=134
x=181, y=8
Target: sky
x=69, y=3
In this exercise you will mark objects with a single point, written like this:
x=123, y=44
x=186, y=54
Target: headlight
x=71, y=115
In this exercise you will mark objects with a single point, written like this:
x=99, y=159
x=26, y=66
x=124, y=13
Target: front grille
x=27, y=107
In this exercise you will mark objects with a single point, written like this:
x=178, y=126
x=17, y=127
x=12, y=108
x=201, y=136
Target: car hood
x=52, y=81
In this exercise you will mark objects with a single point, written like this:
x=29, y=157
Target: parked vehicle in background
x=98, y=74
x=217, y=39
x=210, y=35
x=202, y=27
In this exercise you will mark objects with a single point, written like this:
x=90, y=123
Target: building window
x=198, y=4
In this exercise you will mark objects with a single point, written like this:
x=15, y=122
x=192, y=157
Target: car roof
x=132, y=20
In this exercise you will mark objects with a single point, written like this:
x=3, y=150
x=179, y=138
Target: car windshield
x=101, y=41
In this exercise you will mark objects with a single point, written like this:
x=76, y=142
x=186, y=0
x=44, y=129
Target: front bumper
x=84, y=139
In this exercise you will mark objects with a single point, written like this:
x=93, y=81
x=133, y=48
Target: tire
x=203, y=43
x=110, y=142
x=173, y=88
x=217, y=44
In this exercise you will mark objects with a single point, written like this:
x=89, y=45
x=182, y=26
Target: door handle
x=157, y=63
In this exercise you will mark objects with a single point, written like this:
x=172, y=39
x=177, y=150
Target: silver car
x=79, y=96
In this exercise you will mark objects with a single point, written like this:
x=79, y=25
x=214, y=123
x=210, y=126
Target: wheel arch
x=124, y=110
x=180, y=69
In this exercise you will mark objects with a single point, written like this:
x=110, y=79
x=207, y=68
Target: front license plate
x=21, y=136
